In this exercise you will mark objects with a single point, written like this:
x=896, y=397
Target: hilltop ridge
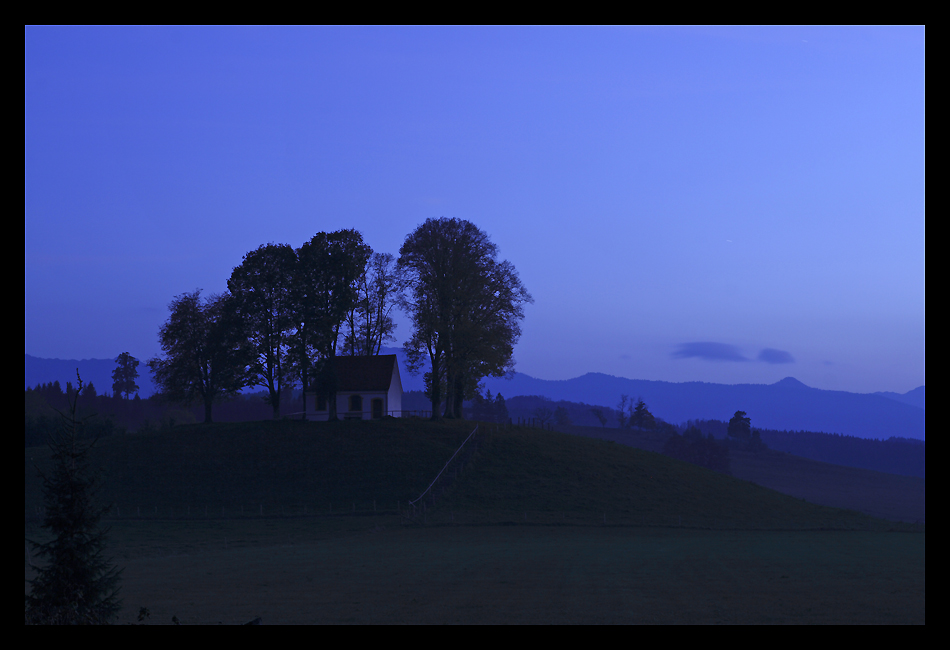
x=787, y=404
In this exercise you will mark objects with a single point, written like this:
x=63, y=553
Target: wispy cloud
x=709, y=352
x=771, y=355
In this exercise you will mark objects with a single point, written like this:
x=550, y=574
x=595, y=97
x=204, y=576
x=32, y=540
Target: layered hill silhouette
x=785, y=405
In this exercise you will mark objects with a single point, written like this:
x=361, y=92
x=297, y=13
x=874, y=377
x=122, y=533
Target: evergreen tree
x=501, y=409
x=483, y=408
x=740, y=426
x=124, y=376
x=640, y=417
x=77, y=586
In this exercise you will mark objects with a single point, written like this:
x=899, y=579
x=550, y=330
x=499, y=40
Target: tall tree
x=262, y=289
x=483, y=407
x=622, y=412
x=329, y=267
x=599, y=414
x=501, y=409
x=125, y=374
x=206, y=351
x=369, y=321
x=465, y=306
x=740, y=426
x=77, y=586
x=640, y=416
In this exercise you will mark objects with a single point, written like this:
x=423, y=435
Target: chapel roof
x=371, y=373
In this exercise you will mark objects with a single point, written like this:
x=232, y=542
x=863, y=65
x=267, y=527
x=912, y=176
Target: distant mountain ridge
x=913, y=397
x=785, y=405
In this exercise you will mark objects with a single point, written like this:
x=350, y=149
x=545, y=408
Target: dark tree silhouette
x=692, y=447
x=501, y=409
x=369, y=321
x=326, y=290
x=465, y=307
x=543, y=414
x=483, y=408
x=124, y=376
x=599, y=414
x=77, y=586
x=640, y=417
x=561, y=416
x=206, y=351
x=261, y=287
x=740, y=426
x=622, y=416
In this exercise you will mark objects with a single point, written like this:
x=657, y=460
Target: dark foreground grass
x=594, y=532
x=270, y=467
x=524, y=475
x=364, y=570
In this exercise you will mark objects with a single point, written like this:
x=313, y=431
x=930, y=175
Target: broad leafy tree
x=206, y=351
x=125, y=374
x=262, y=289
x=622, y=416
x=465, y=306
x=326, y=290
x=543, y=414
x=599, y=414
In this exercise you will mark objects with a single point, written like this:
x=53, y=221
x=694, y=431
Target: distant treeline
x=115, y=415
x=904, y=456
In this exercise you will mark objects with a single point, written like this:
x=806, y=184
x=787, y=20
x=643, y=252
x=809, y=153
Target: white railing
x=413, y=503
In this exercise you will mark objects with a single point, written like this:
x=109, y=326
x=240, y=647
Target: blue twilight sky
x=730, y=205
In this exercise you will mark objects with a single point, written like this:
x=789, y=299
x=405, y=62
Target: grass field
x=540, y=527
x=355, y=570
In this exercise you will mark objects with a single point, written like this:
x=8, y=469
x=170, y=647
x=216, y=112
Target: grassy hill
x=889, y=496
x=290, y=467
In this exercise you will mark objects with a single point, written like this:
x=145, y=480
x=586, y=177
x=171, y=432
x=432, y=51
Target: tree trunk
x=435, y=385
x=450, y=390
x=459, y=397
x=208, y=410
x=274, y=397
x=330, y=385
x=303, y=392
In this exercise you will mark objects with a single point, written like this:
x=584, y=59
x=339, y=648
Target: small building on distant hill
x=367, y=389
